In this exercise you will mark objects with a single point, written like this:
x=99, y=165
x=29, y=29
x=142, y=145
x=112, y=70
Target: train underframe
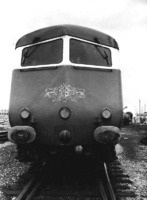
x=39, y=153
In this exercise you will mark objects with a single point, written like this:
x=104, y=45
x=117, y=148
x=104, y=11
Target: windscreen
x=89, y=54
x=42, y=54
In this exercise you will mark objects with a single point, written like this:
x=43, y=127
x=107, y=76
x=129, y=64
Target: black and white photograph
x=73, y=100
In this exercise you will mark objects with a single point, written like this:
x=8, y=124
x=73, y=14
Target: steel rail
x=33, y=191
x=31, y=188
x=102, y=190
x=25, y=190
x=104, y=184
x=109, y=183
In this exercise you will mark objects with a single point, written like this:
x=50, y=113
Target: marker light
x=25, y=113
x=64, y=113
x=79, y=149
x=106, y=113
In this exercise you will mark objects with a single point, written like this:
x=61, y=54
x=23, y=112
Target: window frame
x=39, y=43
x=92, y=43
x=65, y=55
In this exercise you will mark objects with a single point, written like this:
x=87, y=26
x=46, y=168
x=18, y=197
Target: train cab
x=66, y=93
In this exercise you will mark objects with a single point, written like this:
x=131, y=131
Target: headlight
x=64, y=113
x=106, y=113
x=24, y=113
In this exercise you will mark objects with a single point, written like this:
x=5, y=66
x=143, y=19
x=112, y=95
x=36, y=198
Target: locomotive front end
x=66, y=98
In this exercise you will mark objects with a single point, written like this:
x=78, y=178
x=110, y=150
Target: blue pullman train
x=66, y=95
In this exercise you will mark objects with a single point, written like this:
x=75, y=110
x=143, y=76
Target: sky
x=125, y=20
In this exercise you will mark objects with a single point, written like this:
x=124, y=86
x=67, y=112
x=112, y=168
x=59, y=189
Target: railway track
x=3, y=136
x=105, y=185
x=31, y=188
x=68, y=184
x=120, y=181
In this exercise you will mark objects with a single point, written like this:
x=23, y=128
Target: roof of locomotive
x=72, y=30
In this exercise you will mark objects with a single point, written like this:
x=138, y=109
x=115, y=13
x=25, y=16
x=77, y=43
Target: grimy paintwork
x=100, y=89
x=61, y=30
x=85, y=91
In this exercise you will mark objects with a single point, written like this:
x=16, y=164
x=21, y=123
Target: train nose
x=65, y=136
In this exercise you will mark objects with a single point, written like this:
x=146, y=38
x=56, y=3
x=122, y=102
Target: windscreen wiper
x=26, y=55
x=105, y=55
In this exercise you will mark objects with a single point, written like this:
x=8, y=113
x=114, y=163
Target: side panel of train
x=84, y=92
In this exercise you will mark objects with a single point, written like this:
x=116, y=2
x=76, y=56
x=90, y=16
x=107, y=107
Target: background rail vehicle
x=66, y=97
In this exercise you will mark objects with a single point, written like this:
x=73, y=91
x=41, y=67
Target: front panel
x=84, y=91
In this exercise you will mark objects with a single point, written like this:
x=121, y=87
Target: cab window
x=42, y=54
x=90, y=54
